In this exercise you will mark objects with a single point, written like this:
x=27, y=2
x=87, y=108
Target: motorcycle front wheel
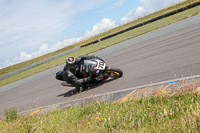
x=115, y=72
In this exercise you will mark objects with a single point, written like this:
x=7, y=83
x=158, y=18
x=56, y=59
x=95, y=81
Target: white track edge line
x=123, y=90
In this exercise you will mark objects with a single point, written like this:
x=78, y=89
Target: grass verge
x=162, y=108
x=177, y=113
x=109, y=32
x=104, y=44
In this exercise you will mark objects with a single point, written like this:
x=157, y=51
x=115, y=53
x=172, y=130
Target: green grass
x=104, y=44
x=112, y=31
x=178, y=113
x=10, y=114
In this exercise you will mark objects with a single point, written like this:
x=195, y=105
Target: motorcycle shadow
x=75, y=91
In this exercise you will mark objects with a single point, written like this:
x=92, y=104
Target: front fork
x=106, y=74
x=107, y=68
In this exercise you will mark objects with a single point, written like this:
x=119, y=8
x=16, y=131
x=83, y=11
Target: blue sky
x=31, y=28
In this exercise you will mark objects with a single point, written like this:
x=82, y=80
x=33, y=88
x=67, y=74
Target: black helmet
x=70, y=61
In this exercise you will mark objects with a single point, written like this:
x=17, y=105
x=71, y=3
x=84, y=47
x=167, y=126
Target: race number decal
x=101, y=65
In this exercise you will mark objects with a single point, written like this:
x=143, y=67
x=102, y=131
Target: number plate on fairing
x=101, y=65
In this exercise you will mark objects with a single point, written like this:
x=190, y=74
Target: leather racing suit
x=73, y=75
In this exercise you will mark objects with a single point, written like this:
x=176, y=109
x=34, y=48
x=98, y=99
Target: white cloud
x=26, y=25
x=44, y=49
x=147, y=7
x=24, y=56
x=102, y=26
x=140, y=11
x=127, y=18
x=64, y=43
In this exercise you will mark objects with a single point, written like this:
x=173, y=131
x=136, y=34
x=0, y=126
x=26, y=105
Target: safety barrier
x=38, y=63
x=144, y=23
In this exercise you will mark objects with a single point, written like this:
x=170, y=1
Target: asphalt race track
x=164, y=54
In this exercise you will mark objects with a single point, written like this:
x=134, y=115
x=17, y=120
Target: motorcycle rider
x=71, y=73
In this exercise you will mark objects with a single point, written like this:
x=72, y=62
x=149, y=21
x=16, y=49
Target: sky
x=31, y=28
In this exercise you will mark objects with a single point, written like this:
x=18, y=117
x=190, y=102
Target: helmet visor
x=70, y=61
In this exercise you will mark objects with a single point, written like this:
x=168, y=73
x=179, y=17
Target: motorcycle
x=98, y=69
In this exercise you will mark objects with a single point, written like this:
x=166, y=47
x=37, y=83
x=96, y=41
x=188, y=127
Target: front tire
x=115, y=72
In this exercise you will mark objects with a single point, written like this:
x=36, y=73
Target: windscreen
x=88, y=64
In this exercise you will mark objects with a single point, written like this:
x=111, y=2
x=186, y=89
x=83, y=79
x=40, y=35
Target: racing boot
x=64, y=83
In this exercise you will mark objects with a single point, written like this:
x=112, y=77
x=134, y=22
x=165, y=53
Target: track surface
x=164, y=54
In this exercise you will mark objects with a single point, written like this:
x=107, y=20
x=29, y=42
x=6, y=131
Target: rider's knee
x=59, y=75
x=66, y=76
